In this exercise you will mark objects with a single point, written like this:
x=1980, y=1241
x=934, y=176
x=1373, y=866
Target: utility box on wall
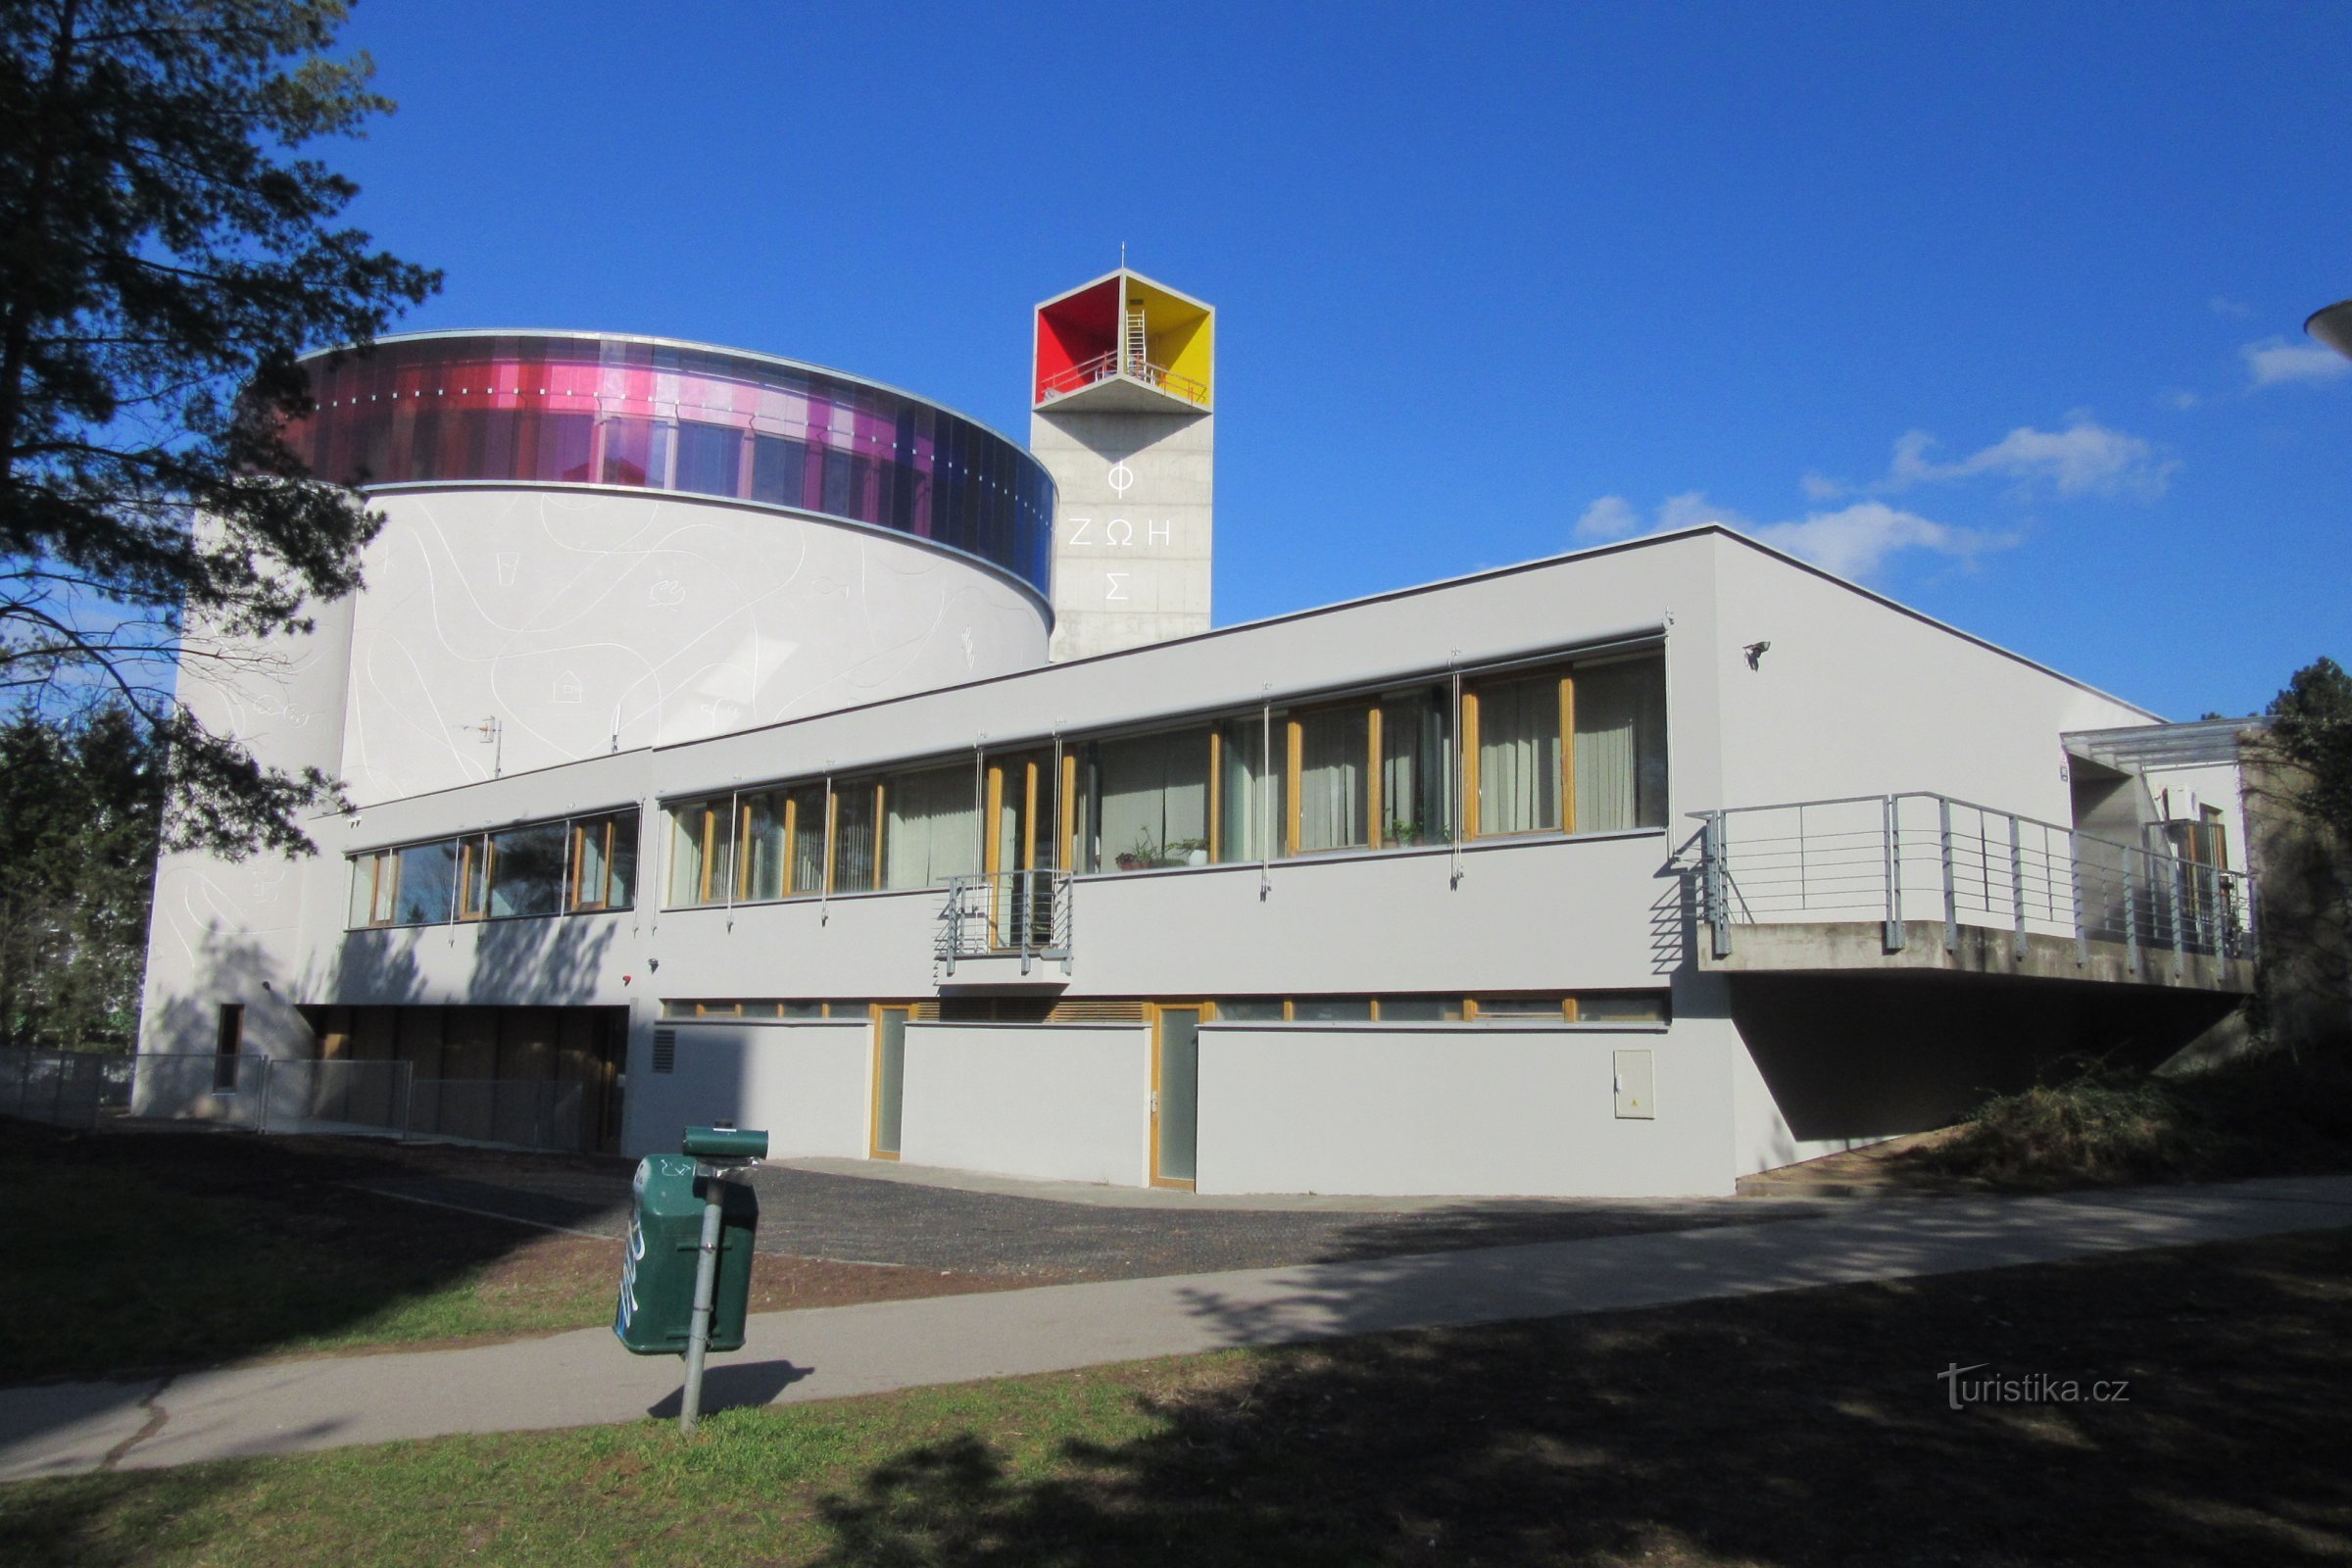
x=1633, y=1086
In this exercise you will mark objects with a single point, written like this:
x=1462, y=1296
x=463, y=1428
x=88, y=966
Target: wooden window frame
x=1467, y=743
x=1294, y=739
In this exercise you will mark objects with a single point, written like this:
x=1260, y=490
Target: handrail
x=1104, y=366
x=1004, y=914
x=1858, y=857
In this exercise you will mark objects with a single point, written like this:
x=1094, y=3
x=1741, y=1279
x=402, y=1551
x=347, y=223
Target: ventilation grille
x=1096, y=1009
x=666, y=1050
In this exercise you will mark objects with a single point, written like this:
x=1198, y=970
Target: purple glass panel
x=584, y=410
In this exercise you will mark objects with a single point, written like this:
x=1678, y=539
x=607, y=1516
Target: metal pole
x=2131, y=916
x=705, y=1289
x=1951, y=906
x=1895, y=874
x=2017, y=885
x=2074, y=871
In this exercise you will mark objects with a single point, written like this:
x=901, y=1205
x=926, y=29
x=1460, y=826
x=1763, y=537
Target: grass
x=157, y=1251
x=150, y=1251
x=2256, y=1116
x=1800, y=1428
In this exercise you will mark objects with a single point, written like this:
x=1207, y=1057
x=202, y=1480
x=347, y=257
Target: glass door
x=1175, y=1094
x=890, y=1079
x=1024, y=838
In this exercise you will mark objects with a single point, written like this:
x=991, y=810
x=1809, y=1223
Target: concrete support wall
x=808, y=1085
x=1451, y=1108
x=1065, y=1102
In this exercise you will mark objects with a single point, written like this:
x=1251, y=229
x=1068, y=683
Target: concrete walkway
x=583, y=1377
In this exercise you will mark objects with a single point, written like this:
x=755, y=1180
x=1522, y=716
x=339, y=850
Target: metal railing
x=1011, y=913
x=65, y=1088
x=1102, y=366
x=1896, y=858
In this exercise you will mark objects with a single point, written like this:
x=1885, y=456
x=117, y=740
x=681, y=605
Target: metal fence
x=491, y=1110
x=66, y=1087
x=336, y=1097
x=1896, y=858
x=1012, y=913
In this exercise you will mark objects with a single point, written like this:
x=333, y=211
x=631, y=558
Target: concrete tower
x=1124, y=420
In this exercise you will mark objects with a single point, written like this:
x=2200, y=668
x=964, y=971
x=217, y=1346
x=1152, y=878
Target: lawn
x=133, y=1252
x=1795, y=1429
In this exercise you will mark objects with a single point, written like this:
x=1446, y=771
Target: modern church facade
x=729, y=738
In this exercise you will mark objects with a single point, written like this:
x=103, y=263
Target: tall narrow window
x=473, y=876
x=854, y=820
x=603, y=861
x=931, y=831
x=1416, y=797
x=807, y=840
x=1516, y=749
x=764, y=820
x=372, y=888
x=702, y=852
x=1251, y=796
x=1620, y=767
x=1333, y=755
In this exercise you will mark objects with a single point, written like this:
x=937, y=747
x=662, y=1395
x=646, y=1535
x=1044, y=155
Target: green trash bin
x=655, y=1312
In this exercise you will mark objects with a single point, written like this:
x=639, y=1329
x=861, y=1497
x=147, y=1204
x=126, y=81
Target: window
x=1143, y=802
x=1250, y=797
x=1611, y=776
x=781, y=843
x=1621, y=746
x=371, y=888
x=229, y=1040
x=710, y=458
x=1416, y=756
x=474, y=877
x=603, y=861
x=1420, y=1009
x=1513, y=739
x=1622, y=1006
x=636, y=453
x=1332, y=767
x=1252, y=1009
x=527, y=871
x=931, y=828
x=855, y=818
x=1331, y=1009
x=1554, y=1008
x=701, y=849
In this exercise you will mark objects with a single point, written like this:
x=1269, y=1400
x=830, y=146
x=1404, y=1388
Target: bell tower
x=1123, y=416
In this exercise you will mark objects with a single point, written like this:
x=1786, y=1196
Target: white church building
x=731, y=738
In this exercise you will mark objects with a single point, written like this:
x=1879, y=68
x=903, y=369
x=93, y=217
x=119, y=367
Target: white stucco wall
x=1398, y=1108
x=589, y=621
x=1070, y=1102
x=807, y=1085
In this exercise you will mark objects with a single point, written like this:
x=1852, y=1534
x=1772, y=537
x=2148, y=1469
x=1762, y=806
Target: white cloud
x=2086, y=457
x=1609, y=517
x=1821, y=487
x=1854, y=541
x=2274, y=361
x=2181, y=401
x=2221, y=305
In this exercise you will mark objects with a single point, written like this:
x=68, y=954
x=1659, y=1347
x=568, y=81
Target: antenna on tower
x=1122, y=256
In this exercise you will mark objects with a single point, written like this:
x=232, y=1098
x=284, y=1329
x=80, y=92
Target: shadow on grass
x=1801, y=1429
x=139, y=1253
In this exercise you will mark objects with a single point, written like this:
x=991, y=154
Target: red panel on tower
x=1073, y=330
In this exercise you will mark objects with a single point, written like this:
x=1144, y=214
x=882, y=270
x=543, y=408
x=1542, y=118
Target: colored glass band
x=663, y=417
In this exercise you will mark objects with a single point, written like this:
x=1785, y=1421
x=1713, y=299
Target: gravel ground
x=855, y=1219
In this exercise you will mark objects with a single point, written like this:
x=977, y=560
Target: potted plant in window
x=1142, y=854
x=1186, y=851
x=1402, y=833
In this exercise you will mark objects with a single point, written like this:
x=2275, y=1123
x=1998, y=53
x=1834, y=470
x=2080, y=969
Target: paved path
x=583, y=1377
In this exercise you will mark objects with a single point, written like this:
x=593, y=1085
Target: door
x=890, y=1080
x=1175, y=1094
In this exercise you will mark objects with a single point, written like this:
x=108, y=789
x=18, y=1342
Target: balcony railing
x=1104, y=366
x=1024, y=914
x=1898, y=859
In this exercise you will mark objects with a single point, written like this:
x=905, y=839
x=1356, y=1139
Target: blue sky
x=1995, y=306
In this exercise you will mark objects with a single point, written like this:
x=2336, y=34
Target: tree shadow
x=1799, y=1429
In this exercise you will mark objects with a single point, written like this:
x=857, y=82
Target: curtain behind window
x=1249, y=799
x=1153, y=792
x=1519, y=755
x=1621, y=747
x=933, y=833
x=1333, y=753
